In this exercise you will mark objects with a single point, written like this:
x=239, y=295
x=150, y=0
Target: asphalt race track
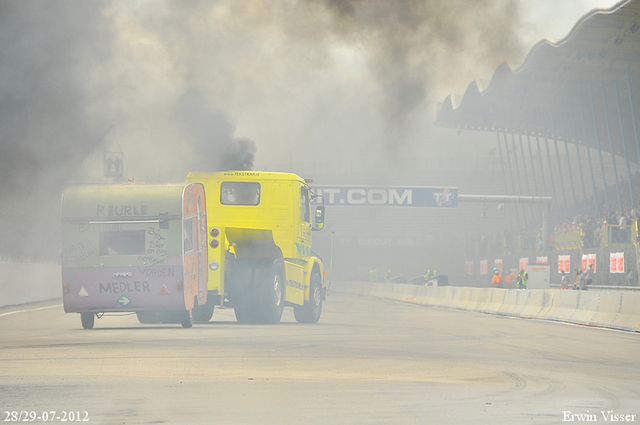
x=368, y=361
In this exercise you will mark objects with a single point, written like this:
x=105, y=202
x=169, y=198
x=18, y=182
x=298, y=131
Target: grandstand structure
x=567, y=126
x=577, y=96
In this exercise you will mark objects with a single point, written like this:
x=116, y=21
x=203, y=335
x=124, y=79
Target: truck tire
x=269, y=285
x=311, y=310
x=186, y=319
x=203, y=313
x=87, y=320
x=241, y=289
x=244, y=313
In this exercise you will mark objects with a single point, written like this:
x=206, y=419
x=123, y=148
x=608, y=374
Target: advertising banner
x=616, y=262
x=498, y=264
x=564, y=263
x=435, y=197
x=484, y=266
x=587, y=260
x=468, y=267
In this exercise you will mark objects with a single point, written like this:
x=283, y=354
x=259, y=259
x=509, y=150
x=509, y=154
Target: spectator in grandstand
x=622, y=221
x=587, y=234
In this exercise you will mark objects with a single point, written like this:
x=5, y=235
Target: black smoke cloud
x=418, y=45
x=188, y=85
x=248, y=57
x=211, y=136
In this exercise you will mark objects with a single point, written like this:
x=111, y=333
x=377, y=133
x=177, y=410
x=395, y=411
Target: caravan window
x=122, y=242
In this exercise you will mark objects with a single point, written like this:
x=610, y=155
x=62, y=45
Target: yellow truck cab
x=260, y=256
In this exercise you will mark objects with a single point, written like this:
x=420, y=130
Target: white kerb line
x=33, y=309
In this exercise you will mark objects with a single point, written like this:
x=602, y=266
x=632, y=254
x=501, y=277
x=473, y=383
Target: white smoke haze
x=183, y=86
x=49, y=111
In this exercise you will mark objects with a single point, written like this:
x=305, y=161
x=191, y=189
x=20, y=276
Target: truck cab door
x=305, y=223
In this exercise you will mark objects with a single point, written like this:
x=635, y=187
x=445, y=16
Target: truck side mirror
x=319, y=220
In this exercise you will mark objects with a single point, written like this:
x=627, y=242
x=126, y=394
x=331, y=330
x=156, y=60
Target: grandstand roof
x=583, y=88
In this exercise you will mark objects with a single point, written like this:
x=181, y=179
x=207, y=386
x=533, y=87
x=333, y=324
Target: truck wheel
x=311, y=310
x=87, y=319
x=269, y=282
x=244, y=314
x=203, y=313
x=242, y=275
x=186, y=319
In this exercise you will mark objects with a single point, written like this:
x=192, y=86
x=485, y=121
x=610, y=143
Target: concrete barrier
x=520, y=297
x=616, y=310
x=588, y=303
x=497, y=301
x=629, y=317
x=509, y=303
x=533, y=303
x=608, y=307
x=566, y=307
x=22, y=283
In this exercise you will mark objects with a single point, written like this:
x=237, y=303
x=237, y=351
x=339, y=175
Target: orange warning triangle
x=163, y=290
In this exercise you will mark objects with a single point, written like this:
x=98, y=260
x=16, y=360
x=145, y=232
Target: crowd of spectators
x=591, y=228
x=586, y=231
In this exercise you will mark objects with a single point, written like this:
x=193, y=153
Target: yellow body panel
x=295, y=287
x=274, y=227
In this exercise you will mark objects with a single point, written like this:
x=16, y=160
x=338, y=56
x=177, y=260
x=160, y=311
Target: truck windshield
x=122, y=242
x=240, y=193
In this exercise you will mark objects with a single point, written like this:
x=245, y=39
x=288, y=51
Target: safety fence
x=608, y=236
x=609, y=309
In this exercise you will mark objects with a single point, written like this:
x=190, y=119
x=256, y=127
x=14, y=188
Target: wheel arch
x=313, y=265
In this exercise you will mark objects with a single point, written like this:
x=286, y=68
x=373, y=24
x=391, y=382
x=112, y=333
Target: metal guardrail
x=607, y=288
x=613, y=235
x=570, y=239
